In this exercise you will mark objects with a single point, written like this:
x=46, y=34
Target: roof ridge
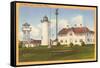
x=75, y=30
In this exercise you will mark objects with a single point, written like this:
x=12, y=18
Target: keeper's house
x=32, y=43
x=75, y=35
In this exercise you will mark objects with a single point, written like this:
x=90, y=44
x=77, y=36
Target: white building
x=75, y=35
x=33, y=43
x=45, y=31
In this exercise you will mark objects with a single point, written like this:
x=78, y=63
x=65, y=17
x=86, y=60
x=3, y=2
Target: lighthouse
x=45, y=31
x=26, y=29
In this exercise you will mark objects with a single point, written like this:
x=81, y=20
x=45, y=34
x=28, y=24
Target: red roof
x=76, y=30
x=81, y=30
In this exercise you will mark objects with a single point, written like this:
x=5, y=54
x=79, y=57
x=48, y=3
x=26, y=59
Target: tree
x=83, y=43
x=58, y=44
x=71, y=44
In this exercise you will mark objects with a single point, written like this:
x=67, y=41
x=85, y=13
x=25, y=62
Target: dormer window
x=70, y=34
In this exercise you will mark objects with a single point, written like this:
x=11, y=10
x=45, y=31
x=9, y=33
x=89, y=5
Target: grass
x=42, y=53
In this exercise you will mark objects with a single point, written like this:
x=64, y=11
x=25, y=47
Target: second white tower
x=45, y=31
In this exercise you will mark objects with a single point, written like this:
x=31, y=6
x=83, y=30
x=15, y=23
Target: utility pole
x=56, y=13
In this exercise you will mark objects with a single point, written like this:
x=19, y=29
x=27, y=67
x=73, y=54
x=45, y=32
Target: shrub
x=58, y=44
x=83, y=43
x=71, y=44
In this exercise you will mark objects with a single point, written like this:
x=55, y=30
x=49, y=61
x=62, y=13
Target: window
x=81, y=40
x=87, y=34
x=70, y=34
x=66, y=41
x=88, y=40
x=75, y=40
x=61, y=41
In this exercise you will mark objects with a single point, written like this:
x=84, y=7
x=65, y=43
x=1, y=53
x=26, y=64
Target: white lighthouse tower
x=26, y=34
x=45, y=31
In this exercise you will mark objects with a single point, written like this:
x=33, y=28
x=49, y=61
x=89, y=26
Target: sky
x=33, y=16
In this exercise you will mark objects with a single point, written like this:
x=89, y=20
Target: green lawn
x=42, y=53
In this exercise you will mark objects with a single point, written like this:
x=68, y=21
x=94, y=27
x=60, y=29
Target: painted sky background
x=66, y=17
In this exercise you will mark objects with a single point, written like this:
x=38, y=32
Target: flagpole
x=56, y=25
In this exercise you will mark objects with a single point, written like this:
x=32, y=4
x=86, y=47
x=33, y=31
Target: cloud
x=62, y=23
x=35, y=33
x=89, y=26
x=77, y=20
x=39, y=25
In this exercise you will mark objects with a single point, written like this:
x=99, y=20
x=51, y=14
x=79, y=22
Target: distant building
x=75, y=35
x=33, y=43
